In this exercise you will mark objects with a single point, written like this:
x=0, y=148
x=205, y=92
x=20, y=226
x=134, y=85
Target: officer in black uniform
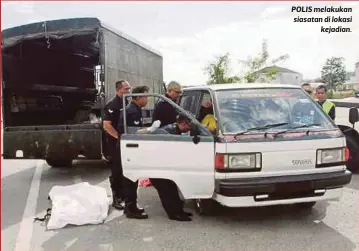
x=133, y=119
x=167, y=189
x=112, y=114
x=164, y=111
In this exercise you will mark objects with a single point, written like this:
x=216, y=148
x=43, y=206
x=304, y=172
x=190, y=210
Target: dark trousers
x=116, y=177
x=168, y=193
x=128, y=187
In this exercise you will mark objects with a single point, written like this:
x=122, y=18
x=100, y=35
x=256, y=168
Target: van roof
x=218, y=87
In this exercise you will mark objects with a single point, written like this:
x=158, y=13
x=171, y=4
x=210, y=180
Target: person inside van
x=206, y=116
x=210, y=122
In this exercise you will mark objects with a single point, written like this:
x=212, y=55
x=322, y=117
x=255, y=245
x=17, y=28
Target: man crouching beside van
x=167, y=189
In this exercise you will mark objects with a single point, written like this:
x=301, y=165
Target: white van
x=273, y=145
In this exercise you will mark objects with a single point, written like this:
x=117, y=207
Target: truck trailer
x=57, y=76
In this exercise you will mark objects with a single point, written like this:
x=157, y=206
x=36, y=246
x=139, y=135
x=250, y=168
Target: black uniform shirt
x=172, y=129
x=113, y=110
x=164, y=112
x=133, y=117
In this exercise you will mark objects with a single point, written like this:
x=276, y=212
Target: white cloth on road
x=78, y=204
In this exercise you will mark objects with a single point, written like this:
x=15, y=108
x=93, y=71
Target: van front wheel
x=206, y=206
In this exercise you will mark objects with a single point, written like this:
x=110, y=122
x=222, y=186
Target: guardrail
x=347, y=102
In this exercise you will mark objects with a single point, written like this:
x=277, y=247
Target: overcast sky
x=189, y=34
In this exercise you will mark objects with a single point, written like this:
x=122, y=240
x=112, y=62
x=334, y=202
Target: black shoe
x=187, y=213
x=180, y=217
x=134, y=213
x=117, y=203
x=139, y=210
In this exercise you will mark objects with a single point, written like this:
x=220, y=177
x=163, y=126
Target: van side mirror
x=353, y=115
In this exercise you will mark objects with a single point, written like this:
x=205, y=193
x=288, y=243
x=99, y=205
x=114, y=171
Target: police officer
x=133, y=119
x=112, y=114
x=164, y=111
x=167, y=189
x=307, y=88
x=328, y=107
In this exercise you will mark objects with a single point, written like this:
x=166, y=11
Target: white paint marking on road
x=70, y=243
x=24, y=237
x=148, y=239
x=77, y=179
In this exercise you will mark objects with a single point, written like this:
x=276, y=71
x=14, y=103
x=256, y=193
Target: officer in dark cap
x=112, y=113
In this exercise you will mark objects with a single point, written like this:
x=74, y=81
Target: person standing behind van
x=111, y=117
x=307, y=88
x=164, y=111
x=328, y=107
x=133, y=119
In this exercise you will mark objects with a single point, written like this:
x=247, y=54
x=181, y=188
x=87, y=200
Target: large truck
x=57, y=76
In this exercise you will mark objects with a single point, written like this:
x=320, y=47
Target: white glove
x=155, y=125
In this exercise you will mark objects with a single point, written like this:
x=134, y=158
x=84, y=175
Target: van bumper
x=281, y=190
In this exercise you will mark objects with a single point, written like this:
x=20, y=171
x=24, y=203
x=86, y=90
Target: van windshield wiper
x=296, y=127
x=306, y=125
x=261, y=128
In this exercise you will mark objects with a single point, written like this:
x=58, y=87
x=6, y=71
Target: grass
x=341, y=94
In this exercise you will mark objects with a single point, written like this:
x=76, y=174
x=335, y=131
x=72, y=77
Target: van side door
x=175, y=157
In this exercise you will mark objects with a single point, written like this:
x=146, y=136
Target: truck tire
x=353, y=163
x=59, y=162
x=206, y=207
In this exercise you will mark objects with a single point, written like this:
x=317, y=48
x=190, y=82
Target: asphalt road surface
x=25, y=186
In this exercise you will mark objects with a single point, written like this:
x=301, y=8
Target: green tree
x=333, y=73
x=260, y=61
x=219, y=72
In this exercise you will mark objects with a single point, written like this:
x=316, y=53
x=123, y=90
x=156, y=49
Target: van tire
x=306, y=205
x=353, y=163
x=206, y=206
x=59, y=162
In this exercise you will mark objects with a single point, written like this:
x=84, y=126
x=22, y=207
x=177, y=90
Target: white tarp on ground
x=78, y=204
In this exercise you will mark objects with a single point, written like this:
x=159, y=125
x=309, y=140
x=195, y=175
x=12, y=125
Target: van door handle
x=132, y=145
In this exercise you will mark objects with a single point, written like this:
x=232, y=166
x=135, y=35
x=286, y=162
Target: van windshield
x=283, y=108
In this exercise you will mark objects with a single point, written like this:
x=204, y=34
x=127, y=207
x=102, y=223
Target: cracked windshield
x=240, y=110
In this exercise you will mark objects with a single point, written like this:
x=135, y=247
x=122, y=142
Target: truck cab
x=272, y=144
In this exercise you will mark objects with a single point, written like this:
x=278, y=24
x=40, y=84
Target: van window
x=189, y=101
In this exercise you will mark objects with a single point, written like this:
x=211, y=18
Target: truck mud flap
x=41, y=142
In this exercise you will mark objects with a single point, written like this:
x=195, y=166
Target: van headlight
x=330, y=156
x=240, y=162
